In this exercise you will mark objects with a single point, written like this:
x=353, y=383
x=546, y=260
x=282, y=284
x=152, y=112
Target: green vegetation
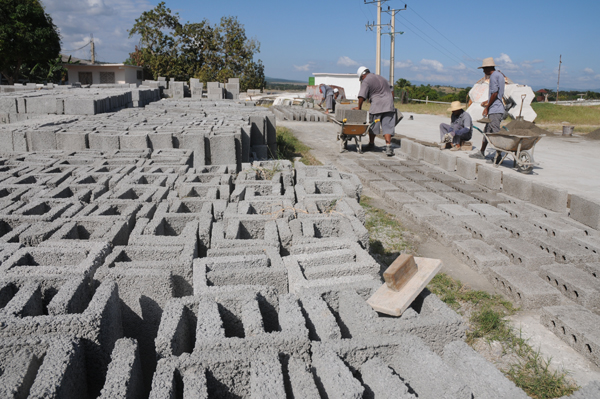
x=29, y=40
x=488, y=321
x=211, y=53
x=285, y=86
x=578, y=115
x=387, y=236
x=405, y=91
x=289, y=147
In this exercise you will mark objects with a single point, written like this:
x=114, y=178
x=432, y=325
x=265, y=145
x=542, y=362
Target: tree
x=27, y=36
x=199, y=50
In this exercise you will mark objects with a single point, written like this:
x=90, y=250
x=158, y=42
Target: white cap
x=336, y=91
x=361, y=71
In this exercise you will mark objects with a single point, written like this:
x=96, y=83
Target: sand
x=595, y=135
x=525, y=129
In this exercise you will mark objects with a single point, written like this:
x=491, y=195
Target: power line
x=442, y=49
x=85, y=45
x=434, y=28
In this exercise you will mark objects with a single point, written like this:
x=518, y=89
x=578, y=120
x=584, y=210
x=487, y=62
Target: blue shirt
x=496, y=86
x=463, y=121
x=377, y=90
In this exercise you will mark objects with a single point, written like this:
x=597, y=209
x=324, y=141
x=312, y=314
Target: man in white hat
x=327, y=92
x=493, y=107
x=460, y=128
x=376, y=89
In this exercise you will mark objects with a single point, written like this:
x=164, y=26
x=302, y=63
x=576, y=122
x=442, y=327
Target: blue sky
x=443, y=41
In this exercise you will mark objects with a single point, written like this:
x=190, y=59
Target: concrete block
x=489, y=212
x=486, y=231
x=382, y=382
x=352, y=116
x=577, y=326
x=457, y=212
x=489, y=177
x=479, y=255
x=466, y=168
x=197, y=143
x=399, y=199
x=517, y=186
x=447, y=161
x=447, y=231
x=416, y=151
x=72, y=141
x=420, y=213
x=549, y=197
x=573, y=283
x=585, y=210
x=104, y=142
x=334, y=375
x=431, y=199
x=520, y=228
x=524, y=254
x=136, y=141
x=565, y=251
x=124, y=377
x=431, y=155
x=461, y=199
x=525, y=288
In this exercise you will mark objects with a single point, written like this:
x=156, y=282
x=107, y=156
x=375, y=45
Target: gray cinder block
x=447, y=162
x=549, y=197
x=524, y=287
x=72, y=141
x=573, y=283
x=489, y=177
x=517, y=186
x=584, y=210
x=431, y=155
x=466, y=168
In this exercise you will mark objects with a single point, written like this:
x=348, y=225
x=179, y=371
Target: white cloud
x=459, y=67
x=347, y=61
x=506, y=63
x=404, y=64
x=589, y=71
x=303, y=68
x=432, y=64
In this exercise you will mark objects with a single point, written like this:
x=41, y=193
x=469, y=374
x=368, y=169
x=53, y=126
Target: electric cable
x=85, y=45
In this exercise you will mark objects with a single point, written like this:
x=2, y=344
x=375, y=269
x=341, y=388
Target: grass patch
x=549, y=113
x=487, y=320
x=289, y=147
x=387, y=238
x=419, y=108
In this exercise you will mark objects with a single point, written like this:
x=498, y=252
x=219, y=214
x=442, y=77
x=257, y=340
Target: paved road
x=571, y=163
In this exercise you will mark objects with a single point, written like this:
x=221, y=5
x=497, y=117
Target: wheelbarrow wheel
x=524, y=164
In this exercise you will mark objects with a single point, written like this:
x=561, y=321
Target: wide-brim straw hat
x=455, y=106
x=487, y=62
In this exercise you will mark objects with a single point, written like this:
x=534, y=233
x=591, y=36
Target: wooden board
x=394, y=303
x=400, y=272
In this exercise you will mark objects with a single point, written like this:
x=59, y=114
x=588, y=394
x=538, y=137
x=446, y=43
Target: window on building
x=107, y=77
x=85, y=78
x=140, y=75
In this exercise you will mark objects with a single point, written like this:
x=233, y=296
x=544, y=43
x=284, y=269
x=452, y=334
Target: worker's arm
x=489, y=103
x=360, y=103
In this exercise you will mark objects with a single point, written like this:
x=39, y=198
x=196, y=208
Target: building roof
x=82, y=62
x=334, y=74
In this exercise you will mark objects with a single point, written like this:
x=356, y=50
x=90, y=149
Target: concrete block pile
x=132, y=273
x=24, y=105
x=518, y=233
x=298, y=113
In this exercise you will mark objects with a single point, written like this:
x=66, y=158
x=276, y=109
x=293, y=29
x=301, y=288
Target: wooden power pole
x=558, y=83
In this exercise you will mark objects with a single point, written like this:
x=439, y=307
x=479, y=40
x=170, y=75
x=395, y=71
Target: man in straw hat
x=460, y=128
x=493, y=107
x=376, y=89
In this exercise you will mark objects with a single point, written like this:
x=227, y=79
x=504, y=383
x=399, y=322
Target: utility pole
x=378, y=25
x=93, y=51
x=393, y=34
x=558, y=83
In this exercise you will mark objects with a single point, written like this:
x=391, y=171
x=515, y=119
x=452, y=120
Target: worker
x=460, y=128
x=336, y=94
x=493, y=107
x=377, y=91
x=327, y=93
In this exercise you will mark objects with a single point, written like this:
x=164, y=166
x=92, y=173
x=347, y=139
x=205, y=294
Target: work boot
x=389, y=151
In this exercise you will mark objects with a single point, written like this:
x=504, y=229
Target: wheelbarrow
x=518, y=147
x=357, y=131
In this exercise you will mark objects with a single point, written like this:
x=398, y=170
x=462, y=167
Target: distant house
x=101, y=73
x=349, y=81
x=542, y=96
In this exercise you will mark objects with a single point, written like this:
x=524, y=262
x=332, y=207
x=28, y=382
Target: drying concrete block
x=20, y=141
x=421, y=212
x=556, y=228
x=431, y=199
x=266, y=377
x=577, y=326
x=565, y=251
x=80, y=106
x=394, y=178
x=104, y=142
x=457, y=212
x=431, y=155
x=257, y=130
x=483, y=377
x=549, y=197
x=133, y=141
x=517, y=186
x=524, y=287
x=321, y=323
x=399, y=199
x=438, y=188
x=222, y=149
x=589, y=243
x=124, y=376
x=302, y=380
x=72, y=141
x=405, y=146
x=575, y=284
x=520, y=228
x=524, y=254
x=479, y=255
x=466, y=168
x=489, y=212
x=382, y=382
x=351, y=116
x=447, y=162
x=335, y=377
x=447, y=231
x=489, y=177
x=486, y=231
x=584, y=210
x=416, y=177
x=591, y=390
x=197, y=143
x=382, y=188
x=461, y=199
x=425, y=372
x=41, y=140
x=416, y=151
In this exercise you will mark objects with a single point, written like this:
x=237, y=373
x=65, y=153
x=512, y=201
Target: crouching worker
x=460, y=128
x=328, y=94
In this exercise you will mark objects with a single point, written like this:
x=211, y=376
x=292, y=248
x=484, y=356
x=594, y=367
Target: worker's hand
x=484, y=104
x=355, y=108
x=485, y=112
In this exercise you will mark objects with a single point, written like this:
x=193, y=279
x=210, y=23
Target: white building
x=349, y=81
x=87, y=73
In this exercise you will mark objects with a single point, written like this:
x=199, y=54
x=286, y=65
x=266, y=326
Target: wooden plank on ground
x=394, y=303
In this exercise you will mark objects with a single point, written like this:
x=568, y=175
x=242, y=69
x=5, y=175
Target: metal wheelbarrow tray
x=517, y=146
x=357, y=131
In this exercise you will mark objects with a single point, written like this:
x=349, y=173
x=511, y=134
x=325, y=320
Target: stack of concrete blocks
x=215, y=91
x=197, y=88
x=297, y=113
x=232, y=89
